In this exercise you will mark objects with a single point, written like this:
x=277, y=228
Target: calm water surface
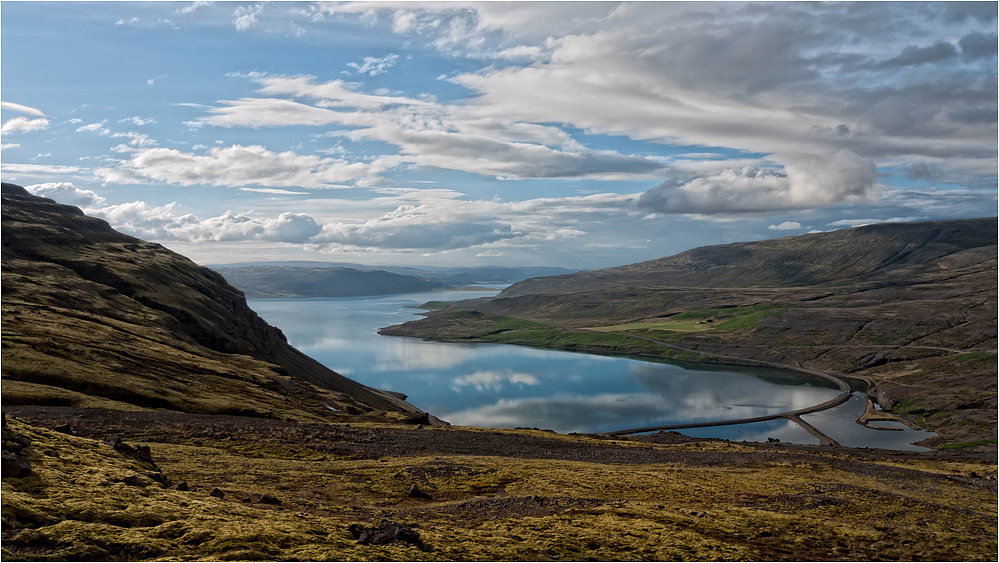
x=503, y=386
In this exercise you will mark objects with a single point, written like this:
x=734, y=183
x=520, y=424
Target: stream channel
x=504, y=386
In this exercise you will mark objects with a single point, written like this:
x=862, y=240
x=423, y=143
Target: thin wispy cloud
x=23, y=109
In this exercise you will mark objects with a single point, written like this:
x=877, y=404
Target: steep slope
x=910, y=307
x=94, y=318
x=278, y=281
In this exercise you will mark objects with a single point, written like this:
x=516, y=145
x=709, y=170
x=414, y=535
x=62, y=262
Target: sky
x=582, y=135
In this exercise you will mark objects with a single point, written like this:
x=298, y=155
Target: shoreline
x=840, y=381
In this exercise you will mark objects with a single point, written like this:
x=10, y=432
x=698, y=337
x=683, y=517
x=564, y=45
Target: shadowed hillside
x=280, y=281
x=94, y=318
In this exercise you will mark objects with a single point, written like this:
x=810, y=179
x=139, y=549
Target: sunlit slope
x=94, y=318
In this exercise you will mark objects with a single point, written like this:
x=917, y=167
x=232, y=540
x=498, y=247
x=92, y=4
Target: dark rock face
x=268, y=499
x=15, y=464
x=386, y=532
x=98, y=318
x=140, y=453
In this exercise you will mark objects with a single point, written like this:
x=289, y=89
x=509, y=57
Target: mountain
x=94, y=318
x=419, y=278
x=908, y=307
x=291, y=281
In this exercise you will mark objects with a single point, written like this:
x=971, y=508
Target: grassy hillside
x=94, y=318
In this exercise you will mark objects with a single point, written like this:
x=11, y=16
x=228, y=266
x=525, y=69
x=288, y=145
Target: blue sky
x=451, y=133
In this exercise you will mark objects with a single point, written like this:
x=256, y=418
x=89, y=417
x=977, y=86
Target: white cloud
x=193, y=7
x=24, y=124
x=786, y=226
x=432, y=134
x=275, y=191
x=805, y=181
x=245, y=17
x=93, y=127
x=36, y=170
x=237, y=166
x=6, y=146
x=136, y=120
x=291, y=227
x=374, y=66
x=67, y=193
x=23, y=109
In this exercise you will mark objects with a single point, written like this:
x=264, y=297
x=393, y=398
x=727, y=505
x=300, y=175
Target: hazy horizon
x=581, y=135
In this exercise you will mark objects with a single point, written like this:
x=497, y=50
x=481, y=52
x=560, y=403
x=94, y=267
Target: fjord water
x=503, y=386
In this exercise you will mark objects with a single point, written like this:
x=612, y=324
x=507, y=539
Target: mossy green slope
x=700, y=500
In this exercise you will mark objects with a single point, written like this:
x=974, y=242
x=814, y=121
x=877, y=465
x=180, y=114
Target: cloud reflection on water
x=493, y=379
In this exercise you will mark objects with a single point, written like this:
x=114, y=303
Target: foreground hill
x=94, y=318
x=253, y=489
x=909, y=307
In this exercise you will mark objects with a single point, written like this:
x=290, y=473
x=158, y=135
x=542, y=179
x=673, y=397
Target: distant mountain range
x=93, y=318
x=910, y=307
x=343, y=279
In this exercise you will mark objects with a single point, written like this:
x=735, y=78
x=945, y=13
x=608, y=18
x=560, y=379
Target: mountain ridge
x=734, y=264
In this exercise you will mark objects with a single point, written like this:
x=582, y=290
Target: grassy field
x=714, y=320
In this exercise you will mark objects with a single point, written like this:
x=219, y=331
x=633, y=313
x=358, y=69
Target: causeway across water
x=794, y=416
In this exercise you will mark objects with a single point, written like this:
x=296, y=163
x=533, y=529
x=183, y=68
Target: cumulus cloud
x=236, y=166
x=408, y=228
x=805, y=181
x=167, y=223
x=291, y=227
x=67, y=193
x=24, y=124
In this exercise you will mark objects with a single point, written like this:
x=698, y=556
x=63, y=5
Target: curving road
x=794, y=415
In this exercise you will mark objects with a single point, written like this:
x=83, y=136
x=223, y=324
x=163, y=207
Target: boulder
x=268, y=499
x=386, y=532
